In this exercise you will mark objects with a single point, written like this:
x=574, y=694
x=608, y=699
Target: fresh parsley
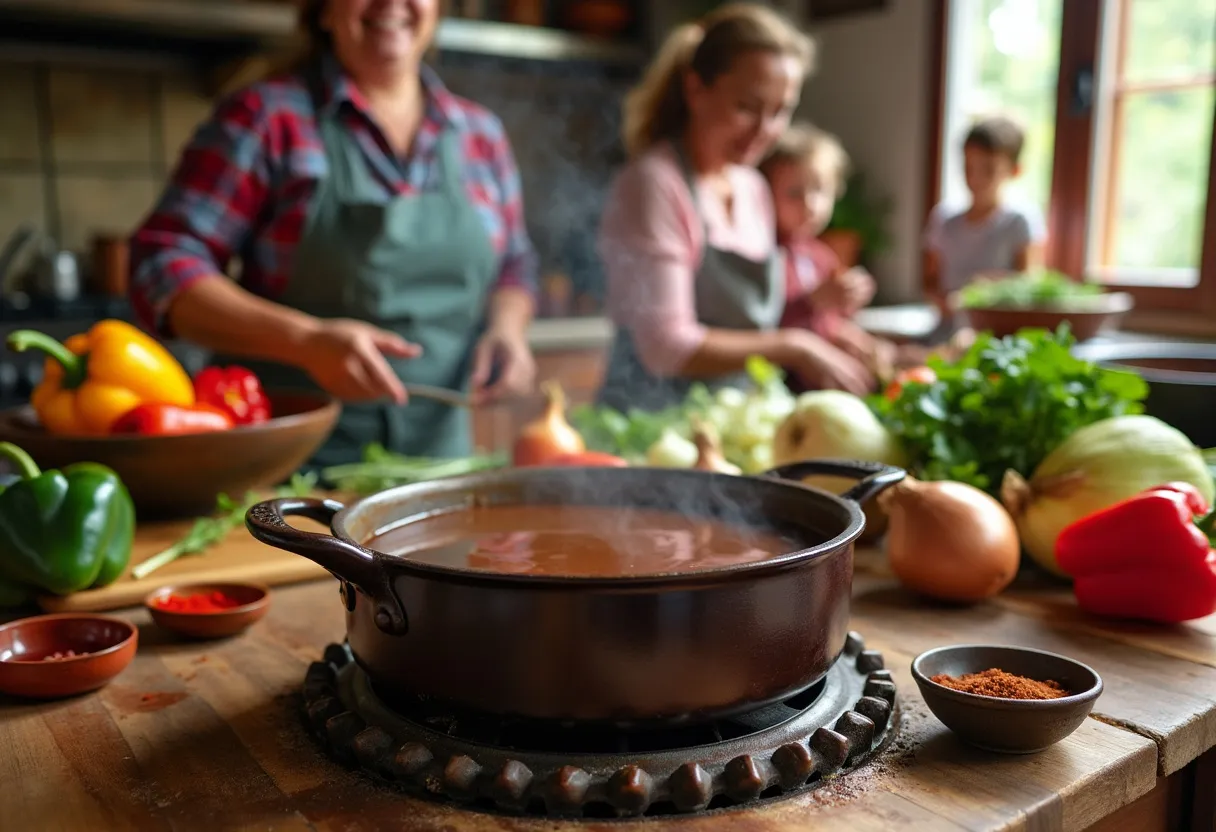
x=1007, y=403
x=210, y=531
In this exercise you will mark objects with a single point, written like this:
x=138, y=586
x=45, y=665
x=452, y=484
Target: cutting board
x=238, y=558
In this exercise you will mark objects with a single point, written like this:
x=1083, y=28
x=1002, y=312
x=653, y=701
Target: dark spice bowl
x=1012, y=726
x=254, y=603
x=36, y=654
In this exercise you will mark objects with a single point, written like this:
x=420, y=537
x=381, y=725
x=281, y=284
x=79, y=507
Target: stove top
x=521, y=767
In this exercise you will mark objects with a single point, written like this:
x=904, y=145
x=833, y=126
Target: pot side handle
x=875, y=476
x=349, y=563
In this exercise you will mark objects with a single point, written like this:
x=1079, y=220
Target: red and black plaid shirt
x=243, y=184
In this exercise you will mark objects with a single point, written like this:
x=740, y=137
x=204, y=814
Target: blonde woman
x=695, y=282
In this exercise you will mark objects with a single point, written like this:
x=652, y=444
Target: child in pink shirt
x=806, y=172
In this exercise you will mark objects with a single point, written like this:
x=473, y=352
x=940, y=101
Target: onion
x=550, y=436
x=949, y=540
x=709, y=452
x=1099, y=465
x=671, y=450
x=833, y=424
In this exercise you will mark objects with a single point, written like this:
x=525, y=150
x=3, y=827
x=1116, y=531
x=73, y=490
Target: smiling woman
x=380, y=227
x=695, y=284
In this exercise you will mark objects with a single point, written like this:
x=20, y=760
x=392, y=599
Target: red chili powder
x=1002, y=685
x=198, y=602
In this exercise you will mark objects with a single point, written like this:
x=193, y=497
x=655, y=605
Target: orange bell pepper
x=94, y=377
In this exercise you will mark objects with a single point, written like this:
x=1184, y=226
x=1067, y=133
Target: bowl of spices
x=52, y=656
x=208, y=610
x=1014, y=700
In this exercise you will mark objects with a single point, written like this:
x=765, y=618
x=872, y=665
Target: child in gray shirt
x=990, y=236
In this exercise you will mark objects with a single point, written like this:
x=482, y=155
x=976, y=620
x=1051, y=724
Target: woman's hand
x=845, y=293
x=347, y=358
x=823, y=365
x=503, y=349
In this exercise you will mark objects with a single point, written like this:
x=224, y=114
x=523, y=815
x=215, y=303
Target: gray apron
x=731, y=292
x=420, y=265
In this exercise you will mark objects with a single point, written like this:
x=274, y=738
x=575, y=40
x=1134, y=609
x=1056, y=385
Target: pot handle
x=875, y=476
x=349, y=563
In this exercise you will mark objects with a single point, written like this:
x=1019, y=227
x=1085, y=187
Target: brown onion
x=549, y=436
x=949, y=540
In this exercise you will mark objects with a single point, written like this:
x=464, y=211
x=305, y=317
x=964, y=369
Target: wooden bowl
x=104, y=646
x=1086, y=317
x=254, y=604
x=177, y=476
x=1011, y=726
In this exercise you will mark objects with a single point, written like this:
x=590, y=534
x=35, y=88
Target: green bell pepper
x=63, y=531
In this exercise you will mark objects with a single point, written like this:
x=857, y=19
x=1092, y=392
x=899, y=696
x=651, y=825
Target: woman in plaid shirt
x=380, y=228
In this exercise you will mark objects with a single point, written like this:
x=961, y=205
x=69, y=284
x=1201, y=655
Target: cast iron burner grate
x=523, y=767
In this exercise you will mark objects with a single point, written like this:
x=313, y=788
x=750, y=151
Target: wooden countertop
x=209, y=736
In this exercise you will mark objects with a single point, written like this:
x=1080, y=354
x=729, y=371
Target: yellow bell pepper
x=95, y=377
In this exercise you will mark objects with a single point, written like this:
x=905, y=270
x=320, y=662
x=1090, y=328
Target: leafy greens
x=1007, y=403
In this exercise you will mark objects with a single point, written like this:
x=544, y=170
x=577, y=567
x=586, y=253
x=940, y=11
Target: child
x=990, y=235
x=806, y=172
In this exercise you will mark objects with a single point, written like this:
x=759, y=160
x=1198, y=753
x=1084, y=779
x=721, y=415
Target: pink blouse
x=650, y=243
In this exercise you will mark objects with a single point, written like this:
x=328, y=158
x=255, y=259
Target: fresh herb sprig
x=381, y=469
x=1007, y=403
x=210, y=531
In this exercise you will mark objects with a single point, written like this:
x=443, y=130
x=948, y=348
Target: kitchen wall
x=873, y=91
x=84, y=149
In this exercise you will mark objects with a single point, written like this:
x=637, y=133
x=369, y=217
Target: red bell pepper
x=171, y=420
x=1147, y=557
x=235, y=390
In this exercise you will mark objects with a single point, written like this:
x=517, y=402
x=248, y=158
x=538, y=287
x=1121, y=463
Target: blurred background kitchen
x=98, y=96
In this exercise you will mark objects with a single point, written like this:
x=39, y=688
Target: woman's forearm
x=511, y=309
x=216, y=313
x=726, y=351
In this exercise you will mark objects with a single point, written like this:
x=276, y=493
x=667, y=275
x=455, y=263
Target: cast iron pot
x=1181, y=380
x=678, y=647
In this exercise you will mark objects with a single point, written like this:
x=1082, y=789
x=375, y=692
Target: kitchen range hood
x=262, y=24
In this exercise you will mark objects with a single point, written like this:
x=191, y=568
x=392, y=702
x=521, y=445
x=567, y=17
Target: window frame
x=1188, y=309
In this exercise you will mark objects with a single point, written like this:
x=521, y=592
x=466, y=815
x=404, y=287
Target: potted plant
x=858, y=230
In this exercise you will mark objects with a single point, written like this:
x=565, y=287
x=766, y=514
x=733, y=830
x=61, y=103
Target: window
x=1118, y=98
x=1152, y=141
x=1003, y=58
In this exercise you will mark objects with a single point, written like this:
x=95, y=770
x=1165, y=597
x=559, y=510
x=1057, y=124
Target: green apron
x=420, y=266
x=730, y=292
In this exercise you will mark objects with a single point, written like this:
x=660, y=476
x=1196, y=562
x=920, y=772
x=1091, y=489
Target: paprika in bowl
x=208, y=610
x=1033, y=700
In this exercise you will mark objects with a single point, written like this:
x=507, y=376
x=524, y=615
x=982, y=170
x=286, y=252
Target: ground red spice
x=199, y=602
x=1002, y=685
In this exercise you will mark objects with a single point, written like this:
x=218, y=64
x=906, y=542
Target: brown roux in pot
x=585, y=541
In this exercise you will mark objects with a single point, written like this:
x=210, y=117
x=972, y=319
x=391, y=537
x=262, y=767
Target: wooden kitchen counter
x=209, y=736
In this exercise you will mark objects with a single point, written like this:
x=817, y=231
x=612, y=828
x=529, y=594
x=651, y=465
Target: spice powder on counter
x=1001, y=685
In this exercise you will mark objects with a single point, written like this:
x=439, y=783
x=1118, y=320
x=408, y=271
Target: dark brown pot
x=626, y=650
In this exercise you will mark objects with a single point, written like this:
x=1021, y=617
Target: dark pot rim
x=345, y=556
x=464, y=483
x=1116, y=356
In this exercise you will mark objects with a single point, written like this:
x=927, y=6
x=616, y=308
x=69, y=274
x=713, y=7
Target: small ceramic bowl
x=1012, y=726
x=51, y=656
x=254, y=602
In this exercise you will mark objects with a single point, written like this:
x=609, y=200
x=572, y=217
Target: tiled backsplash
x=84, y=150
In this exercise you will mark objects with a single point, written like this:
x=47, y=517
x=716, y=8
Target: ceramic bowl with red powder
x=211, y=610
x=52, y=656
x=1015, y=700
